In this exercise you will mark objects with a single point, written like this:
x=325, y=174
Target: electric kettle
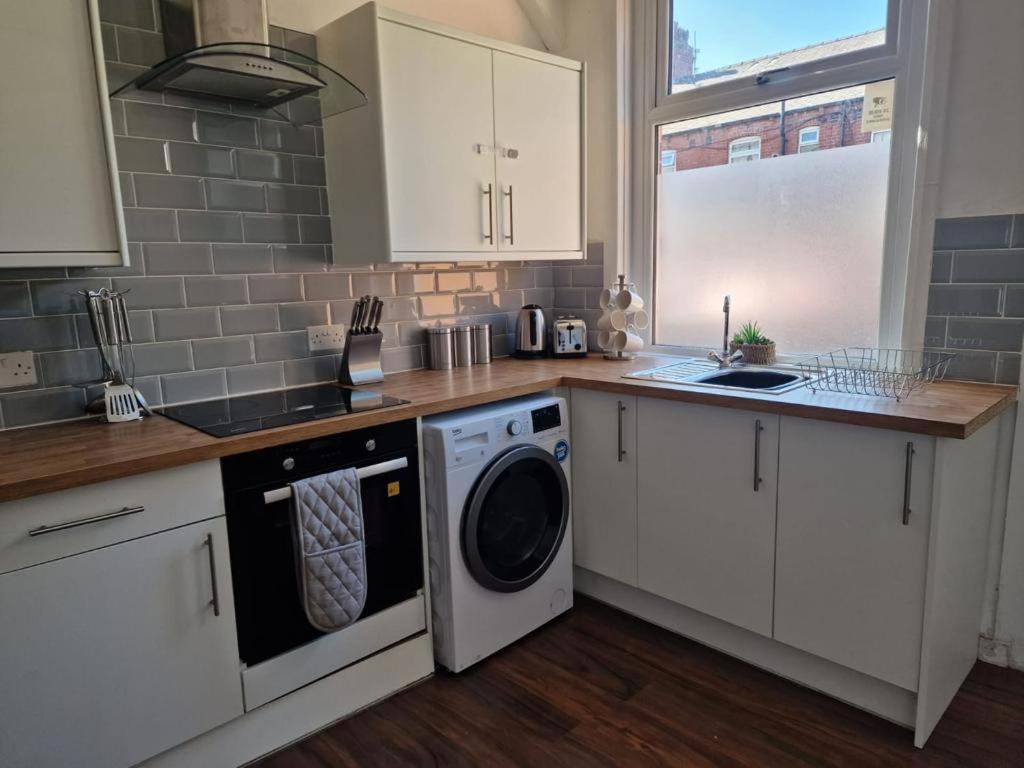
x=531, y=332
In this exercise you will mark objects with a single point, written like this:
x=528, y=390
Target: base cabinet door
x=114, y=655
x=604, y=483
x=850, y=571
x=706, y=528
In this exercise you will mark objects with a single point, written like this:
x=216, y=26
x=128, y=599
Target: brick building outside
x=805, y=124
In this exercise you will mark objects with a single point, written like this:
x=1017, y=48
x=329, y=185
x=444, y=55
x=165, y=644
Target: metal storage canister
x=481, y=343
x=463, y=346
x=442, y=348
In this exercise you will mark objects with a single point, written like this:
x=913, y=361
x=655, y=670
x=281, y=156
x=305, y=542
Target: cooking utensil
x=108, y=319
x=378, y=310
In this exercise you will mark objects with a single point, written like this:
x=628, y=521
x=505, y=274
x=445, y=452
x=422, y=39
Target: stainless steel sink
x=696, y=372
x=746, y=378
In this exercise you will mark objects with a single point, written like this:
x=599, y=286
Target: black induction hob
x=266, y=410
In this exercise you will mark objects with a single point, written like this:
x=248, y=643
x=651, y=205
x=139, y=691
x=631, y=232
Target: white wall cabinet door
x=537, y=146
x=438, y=124
x=850, y=575
x=604, y=483
x=59, y=205
x=114, y=655
x=706, y=530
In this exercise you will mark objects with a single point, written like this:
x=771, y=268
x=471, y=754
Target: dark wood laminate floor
x=598, y=687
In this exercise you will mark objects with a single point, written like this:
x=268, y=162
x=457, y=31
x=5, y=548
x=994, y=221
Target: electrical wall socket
x=17, y=369
x=326, y=338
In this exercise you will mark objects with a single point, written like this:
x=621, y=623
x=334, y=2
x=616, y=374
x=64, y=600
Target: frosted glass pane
x=795, y=240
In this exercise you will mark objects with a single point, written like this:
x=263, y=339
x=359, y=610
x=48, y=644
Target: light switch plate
x=17, y=369
x=326, y=338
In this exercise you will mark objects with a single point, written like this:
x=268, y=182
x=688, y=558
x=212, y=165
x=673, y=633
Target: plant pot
x=755, y=354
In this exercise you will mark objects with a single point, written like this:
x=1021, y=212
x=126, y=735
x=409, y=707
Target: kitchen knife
x=366, y=315
x=357, y=327
x=378, y=310
x=355, y=316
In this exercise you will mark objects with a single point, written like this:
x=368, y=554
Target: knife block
x=360, y=362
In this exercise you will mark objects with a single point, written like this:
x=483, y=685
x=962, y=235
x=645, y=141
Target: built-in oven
x=280, y=650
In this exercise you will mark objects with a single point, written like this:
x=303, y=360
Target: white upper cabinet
x=60, y=203
x=468, y=150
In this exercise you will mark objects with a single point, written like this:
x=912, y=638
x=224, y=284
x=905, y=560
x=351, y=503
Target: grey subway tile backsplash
x=212, y=311
x=972, y=232
x=265, y=166
x=233, y=130
x=229, y=195
x=976, y=300
x=242, y=259
x=210, y=227
x=165, y=191
x=177, y=258
x=216, y=291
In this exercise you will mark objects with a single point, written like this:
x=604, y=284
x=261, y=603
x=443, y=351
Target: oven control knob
x=514, y=427
x=288, y=464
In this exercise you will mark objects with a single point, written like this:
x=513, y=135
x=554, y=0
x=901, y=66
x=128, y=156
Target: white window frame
x=816, y=144
x=909, y=52
x=754, y=151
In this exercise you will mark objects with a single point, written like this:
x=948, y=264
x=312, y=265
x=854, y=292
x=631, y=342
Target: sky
x=730, y=31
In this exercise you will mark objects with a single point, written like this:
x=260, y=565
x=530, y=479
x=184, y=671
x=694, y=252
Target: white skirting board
x=864, y=692
x=309, y=709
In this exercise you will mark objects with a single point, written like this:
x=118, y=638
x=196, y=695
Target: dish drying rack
x=894, y=373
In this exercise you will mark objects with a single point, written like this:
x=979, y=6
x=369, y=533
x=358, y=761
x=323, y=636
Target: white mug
x=628, y=300
x=604, y=339
x=641, y=319
x=607, y=300
x=624, y=341
x=612, y=321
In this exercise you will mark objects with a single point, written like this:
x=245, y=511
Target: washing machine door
x=515, y=519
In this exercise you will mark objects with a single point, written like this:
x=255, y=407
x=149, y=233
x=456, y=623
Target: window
x=803, y=243
x=744, y=150
x=668, y=160
x=809, y=139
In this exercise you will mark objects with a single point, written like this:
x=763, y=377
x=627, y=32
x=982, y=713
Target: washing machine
x=499, y=524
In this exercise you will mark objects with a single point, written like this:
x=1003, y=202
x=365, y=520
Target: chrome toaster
x=569, y=337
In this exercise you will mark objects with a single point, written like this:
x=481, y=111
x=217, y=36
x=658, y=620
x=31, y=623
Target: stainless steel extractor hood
x=221, y=49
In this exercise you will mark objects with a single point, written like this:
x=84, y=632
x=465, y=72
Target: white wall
x=982, y=171
x=592, y=29
x=500, y=19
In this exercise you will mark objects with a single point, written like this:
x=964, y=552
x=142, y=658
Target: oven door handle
x=363, y=472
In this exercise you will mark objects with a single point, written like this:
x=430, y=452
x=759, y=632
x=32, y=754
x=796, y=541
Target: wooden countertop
x=54, y=457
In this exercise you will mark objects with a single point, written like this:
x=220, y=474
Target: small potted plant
x=757, y=348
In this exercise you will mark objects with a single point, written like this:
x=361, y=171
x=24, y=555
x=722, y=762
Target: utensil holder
x=360, y=362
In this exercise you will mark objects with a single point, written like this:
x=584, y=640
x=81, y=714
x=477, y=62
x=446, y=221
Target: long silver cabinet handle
x=489, y=194
x=758, y=429
x=123, y=512
x=215, y=600
x=622, y=451
x=907, y=476
x=511, y=236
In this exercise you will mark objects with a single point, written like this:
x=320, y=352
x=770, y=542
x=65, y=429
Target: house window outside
x=744, y=150
x=810, y=139
x=668, y=160
x=800, y=242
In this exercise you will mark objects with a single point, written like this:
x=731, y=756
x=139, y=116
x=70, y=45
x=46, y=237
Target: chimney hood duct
x=220, y=49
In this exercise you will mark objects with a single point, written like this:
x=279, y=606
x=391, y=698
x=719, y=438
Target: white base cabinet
x=604, y=479
x=850, y=572
x=116, y=654
x=706, y=527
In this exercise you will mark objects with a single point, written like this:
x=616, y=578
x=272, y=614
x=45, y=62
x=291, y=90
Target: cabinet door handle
x=621, y=410
x=758, y=429
x=511, y=236
x=123, y=512
x=215, y=599
x=907, y=472
x=489, y=234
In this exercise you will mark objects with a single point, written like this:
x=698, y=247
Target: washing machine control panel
x=548, y=417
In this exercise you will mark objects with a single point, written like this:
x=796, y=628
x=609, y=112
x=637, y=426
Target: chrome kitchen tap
x=723, y=358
